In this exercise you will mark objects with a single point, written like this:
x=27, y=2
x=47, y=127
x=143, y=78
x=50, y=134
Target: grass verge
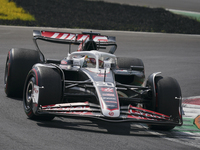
x=192, y=15
x=103, y=16
x=9, y=11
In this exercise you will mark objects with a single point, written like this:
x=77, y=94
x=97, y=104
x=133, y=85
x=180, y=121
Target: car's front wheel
x=168, y=100
x=43, y=87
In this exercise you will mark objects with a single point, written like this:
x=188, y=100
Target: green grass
x=9, y=11
x=99, y=15
x=188, y=126
x=192, y=15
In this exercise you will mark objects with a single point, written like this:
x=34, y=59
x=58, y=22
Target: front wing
x=127, y=113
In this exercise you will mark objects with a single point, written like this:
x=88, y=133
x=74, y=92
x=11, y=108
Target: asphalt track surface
x=174, y=55
x=187, y=5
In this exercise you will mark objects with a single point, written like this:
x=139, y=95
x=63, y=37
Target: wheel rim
x=29, y=92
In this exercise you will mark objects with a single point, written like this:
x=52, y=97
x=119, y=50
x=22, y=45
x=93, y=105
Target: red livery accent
x=140, y=113
x=107, y=89
x=82, y=37
x=56, y=35
x=71, y=36
x=63, y=62
x=149, y=111
x=144, y=114
x=47, y=34
x=111, y=113
x=35, y=90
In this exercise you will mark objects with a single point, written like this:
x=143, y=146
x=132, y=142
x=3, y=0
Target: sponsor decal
x=35, y=94
x=111, y=106
x=107, y=94
x=71, y=36
x=101, y=75
x=109, y=84
x=123, y=70
x=36, y=90
x=110, y=98
x=64, y=62
x=110, y=101
x=100, y=38
x=107, y=90
x=111, y=113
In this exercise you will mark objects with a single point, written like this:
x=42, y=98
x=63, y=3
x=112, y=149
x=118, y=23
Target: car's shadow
x=14, y=98
x=101, y=127
x=91, y=125
x=96, y=126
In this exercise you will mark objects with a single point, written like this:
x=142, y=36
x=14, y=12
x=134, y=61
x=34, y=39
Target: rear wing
x=73, y=38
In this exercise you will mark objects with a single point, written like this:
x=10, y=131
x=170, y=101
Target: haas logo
x=111, y=113
x=35, y=90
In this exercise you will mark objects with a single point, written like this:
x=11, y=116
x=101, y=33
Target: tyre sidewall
x=168, y=90
x=168, y=95
x=19, y=63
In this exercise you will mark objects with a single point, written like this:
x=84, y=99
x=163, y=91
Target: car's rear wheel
x=50, y=91
x=136, y=64
x=168, y=95
x=19, y=62
x=126, y=63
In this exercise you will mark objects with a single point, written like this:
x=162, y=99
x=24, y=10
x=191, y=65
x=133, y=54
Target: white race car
x=90, y=83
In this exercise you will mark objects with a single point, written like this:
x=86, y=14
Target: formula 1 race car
x=90, y=83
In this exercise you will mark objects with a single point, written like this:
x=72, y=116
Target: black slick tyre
x=124, y=63
x=168, y=94
x=48, y=79
x=19, y=62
